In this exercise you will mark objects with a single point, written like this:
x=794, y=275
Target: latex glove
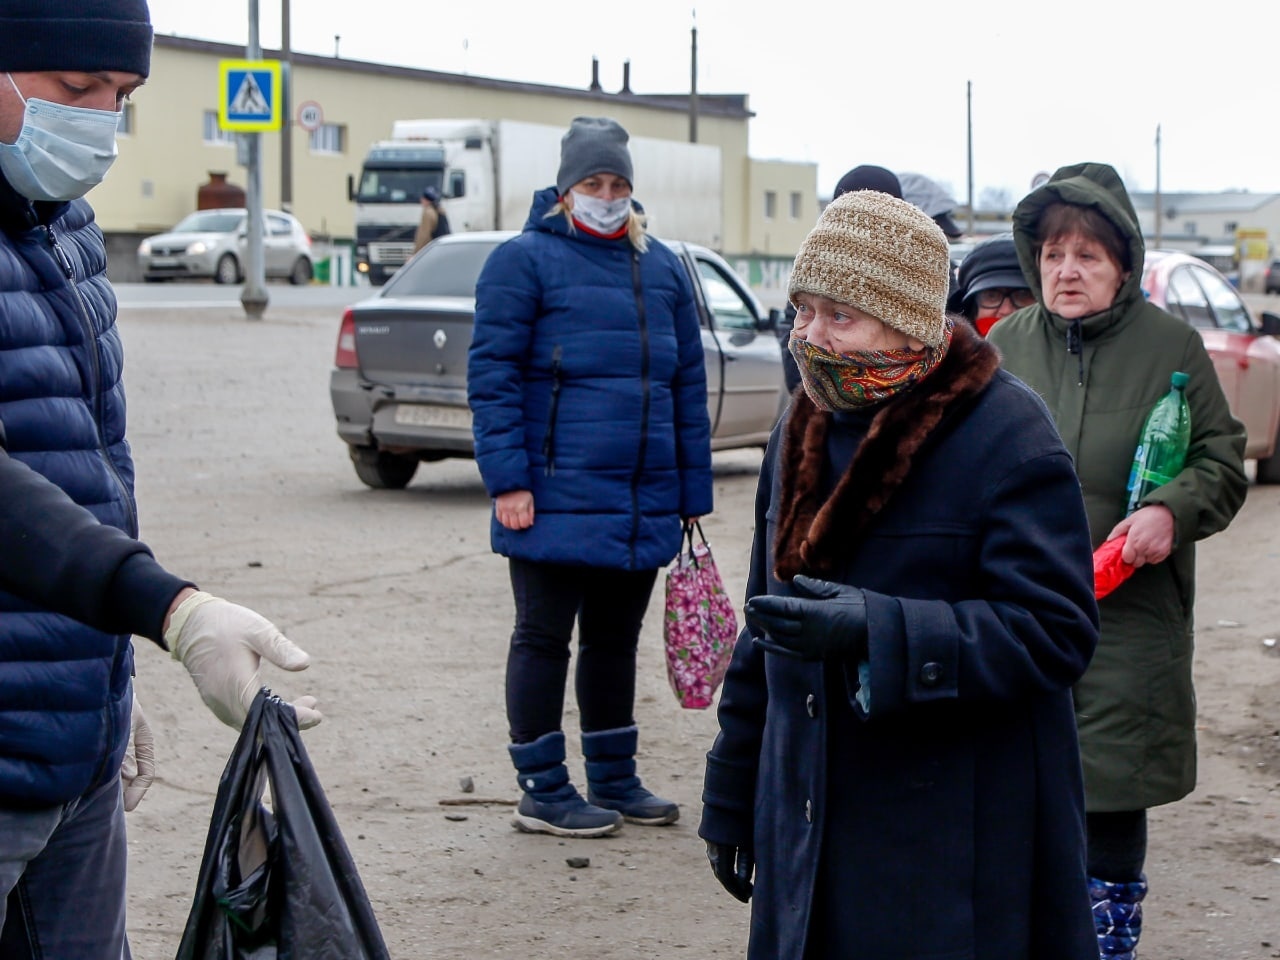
x=222, y=644
x=823, y=621
x=733, y=867
x=138, y=768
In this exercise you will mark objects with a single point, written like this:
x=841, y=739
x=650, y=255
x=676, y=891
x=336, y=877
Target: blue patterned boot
x=1117, y=916
x=550, y=803
x=612, y=782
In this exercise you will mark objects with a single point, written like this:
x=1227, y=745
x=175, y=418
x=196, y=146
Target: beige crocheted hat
x=881, y=255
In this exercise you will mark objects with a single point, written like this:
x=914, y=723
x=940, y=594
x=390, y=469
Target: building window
x=770, y=204
x=125, y=125
x=329, y=138
x=1189, y=228
x=795, y=204
x=213, y=134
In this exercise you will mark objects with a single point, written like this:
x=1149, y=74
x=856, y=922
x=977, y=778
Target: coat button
x=808, y=810
x=930, y=674
x=810, y=704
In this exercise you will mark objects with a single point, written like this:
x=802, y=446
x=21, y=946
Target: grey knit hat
x=84, y=36
x=592, y=145
x=881, y=255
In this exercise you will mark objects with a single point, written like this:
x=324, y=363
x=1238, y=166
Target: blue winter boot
x=1117, y=916
x=550, y=803
x=612, y=782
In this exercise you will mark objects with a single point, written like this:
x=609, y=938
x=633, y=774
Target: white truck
x=488, y=170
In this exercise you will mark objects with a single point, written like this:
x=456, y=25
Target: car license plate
x=164, y=261
x=430, y=415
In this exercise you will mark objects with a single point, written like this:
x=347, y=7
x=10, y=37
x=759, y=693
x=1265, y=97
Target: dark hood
x=1094, y=185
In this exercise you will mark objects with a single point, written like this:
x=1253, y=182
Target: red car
x=1245, y=351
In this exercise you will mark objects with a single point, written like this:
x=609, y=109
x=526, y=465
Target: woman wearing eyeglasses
x=991, y=285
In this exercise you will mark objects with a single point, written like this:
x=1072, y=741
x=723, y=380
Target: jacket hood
x=1094, y=185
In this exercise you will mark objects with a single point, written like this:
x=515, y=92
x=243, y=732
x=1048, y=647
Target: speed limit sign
x=310, y=116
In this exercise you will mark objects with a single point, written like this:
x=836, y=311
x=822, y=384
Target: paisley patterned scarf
x=851, y=381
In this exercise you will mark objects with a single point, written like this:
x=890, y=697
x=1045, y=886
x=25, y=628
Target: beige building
x=170, y=142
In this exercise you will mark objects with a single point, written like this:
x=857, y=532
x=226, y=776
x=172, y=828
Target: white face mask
x=62, y=152
x=602, y=216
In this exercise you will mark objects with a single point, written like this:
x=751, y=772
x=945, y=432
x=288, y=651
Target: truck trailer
x=488, y=170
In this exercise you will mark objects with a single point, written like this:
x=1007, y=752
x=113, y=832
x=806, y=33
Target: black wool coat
x=943, y=817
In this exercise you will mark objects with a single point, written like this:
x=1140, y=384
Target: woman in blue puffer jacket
x=587, y=385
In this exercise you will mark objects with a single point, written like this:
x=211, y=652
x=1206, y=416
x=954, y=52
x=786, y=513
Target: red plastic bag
x=1109, y=568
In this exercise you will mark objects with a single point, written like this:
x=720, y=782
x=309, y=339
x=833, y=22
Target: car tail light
x=345, y=356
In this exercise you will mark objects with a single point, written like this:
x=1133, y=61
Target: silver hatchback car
x=213, y=243
x=399, y=386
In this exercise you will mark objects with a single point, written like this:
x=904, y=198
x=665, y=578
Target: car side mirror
x=773, y=321
x=351, y=188
x=1270, y=324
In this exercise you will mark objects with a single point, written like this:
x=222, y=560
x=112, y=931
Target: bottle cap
x=1179, y=379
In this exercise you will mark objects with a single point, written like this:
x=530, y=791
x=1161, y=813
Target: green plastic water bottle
x=1162, y=449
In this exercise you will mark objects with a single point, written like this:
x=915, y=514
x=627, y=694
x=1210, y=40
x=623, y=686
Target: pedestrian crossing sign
x=249, y=95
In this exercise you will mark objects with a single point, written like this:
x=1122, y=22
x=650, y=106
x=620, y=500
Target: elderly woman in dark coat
x=897, y=763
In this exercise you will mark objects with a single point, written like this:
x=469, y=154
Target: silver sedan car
x=399, y=387
x=213, y=244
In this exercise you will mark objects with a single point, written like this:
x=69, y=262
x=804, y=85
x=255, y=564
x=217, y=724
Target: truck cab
x=388, y=199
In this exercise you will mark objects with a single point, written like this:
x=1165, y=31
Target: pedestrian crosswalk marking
x=249, y=100
x=249, y=95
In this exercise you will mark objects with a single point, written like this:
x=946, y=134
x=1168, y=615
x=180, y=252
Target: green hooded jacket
x=1100, y=376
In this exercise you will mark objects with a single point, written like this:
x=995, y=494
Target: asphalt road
x=280, y=296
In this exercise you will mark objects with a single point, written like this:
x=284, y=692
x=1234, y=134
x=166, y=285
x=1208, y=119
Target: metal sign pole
x=254, y=296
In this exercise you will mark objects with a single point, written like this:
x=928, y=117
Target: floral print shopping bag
x=700, y=626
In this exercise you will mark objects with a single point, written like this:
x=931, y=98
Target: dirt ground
x=244, y=487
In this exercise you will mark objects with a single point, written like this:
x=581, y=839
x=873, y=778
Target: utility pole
x=1159, y=199
x=693, y=81
x=254, y=295
x=286, y=112
x=969, y=124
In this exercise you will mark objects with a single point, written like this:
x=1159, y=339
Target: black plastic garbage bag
x=277, y=884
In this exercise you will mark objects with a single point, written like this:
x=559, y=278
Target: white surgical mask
x=602, y=216
x=62, y=152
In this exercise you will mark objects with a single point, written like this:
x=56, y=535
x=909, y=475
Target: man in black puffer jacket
x=66, y=698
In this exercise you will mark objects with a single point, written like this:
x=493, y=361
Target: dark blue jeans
x=62, y=873
x=609, y=607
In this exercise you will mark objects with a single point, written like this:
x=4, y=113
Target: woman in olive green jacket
x=1101, y=356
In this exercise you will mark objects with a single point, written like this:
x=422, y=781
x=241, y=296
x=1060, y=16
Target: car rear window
x=443, y=270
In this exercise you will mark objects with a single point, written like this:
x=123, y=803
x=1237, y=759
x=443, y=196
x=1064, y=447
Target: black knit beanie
x=869, y=177
x=593, y=145
x=75, y=35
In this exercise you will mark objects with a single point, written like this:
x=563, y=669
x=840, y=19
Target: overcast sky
x=881, y=82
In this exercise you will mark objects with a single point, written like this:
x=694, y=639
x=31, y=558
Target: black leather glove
x=733, y=867
x=824, y=621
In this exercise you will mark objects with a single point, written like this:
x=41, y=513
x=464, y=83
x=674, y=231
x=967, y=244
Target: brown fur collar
x=815, y=537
